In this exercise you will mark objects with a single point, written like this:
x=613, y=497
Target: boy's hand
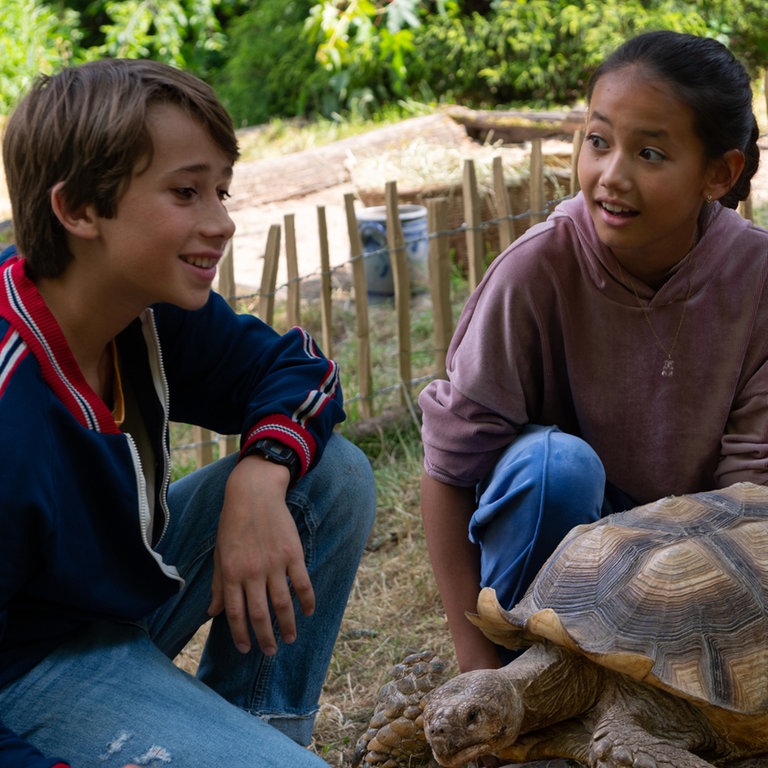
x=259, y=557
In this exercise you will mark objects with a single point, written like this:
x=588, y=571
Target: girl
x=616, y=353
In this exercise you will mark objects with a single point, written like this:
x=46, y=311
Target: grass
x=283, y=136
x=394, y=609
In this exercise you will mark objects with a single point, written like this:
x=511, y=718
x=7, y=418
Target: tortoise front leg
x=641, y=727
x=569, y=740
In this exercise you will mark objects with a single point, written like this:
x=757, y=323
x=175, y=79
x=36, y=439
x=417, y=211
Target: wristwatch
x=278, y=453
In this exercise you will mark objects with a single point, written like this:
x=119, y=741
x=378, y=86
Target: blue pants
x=113, y=696
x=544, y=484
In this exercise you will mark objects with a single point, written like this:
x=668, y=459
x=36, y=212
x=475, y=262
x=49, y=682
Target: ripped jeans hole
x=154, y=755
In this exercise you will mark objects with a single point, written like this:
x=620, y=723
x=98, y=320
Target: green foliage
x=278, y=76
x=316, y=58
x=43, y=38
x=364, y=46
x=282, y=58
x=179, y=32
x=537, y=50
x=741, y=24
x=48, y=36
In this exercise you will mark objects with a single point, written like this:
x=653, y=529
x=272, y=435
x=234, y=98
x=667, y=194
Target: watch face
x=275, y=450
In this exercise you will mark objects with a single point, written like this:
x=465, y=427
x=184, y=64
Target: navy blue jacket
x=76, y=539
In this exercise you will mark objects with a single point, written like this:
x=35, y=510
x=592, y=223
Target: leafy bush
x=316, y=58
x=284, y=58
x=270, y=68
x=539, y=51
x=42, y=39
x=47, y=36
x=534, y=51
x=184, y=33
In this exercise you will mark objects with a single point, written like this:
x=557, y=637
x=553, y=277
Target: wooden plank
x=537, y=183
x=439, y=261
x=506, y=224
x=402, y=283
x=293, y=300
x=578, y=142
x=203, y=440
x=365, y=379
x=227, y=286
x=269, y=275
x=472, y=219
x=326, y=306
x=227, y=443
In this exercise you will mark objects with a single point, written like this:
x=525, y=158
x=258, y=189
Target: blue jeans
x=114, y=696
x=544, y=484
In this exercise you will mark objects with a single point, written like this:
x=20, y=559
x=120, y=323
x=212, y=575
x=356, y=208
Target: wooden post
x=578, y=141
x=397, y=254
x=325, y=282
x=227, y=287
x=537, y=183
x=204, y=437
x=474, y=234
x=439, y=260
x=269, y=275
x=228, y=444
x=365, y=382
x=293, y=303
x=503, y=207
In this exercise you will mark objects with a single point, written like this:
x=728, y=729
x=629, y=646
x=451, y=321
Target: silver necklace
x=668, y=368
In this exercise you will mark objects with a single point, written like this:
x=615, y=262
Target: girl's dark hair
x=87, y=127
x=709, y=79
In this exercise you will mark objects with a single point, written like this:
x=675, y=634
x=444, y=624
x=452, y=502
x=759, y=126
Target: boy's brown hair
x=87, y=127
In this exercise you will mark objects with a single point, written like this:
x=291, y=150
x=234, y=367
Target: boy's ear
x=724, y=174
x=81, y=221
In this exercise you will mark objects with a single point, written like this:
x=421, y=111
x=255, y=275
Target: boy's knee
x=344, y=478
x=346, y=465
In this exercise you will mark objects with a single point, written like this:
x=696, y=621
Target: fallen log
x=516, y=126
x=299, y=174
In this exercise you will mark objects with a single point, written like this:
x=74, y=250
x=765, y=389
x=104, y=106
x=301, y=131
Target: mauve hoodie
x=553, y=336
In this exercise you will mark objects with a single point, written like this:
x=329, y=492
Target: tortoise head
x=476, y=713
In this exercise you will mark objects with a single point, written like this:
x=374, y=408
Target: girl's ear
x=725, y=172
x=80, y=222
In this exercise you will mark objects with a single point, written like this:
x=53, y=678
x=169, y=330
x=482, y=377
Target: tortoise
x=646, y=645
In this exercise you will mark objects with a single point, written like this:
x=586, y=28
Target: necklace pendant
x=669, y=367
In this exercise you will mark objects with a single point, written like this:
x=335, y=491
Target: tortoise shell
x=672, y=593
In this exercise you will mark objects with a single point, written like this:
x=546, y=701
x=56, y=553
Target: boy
x=118, y=173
